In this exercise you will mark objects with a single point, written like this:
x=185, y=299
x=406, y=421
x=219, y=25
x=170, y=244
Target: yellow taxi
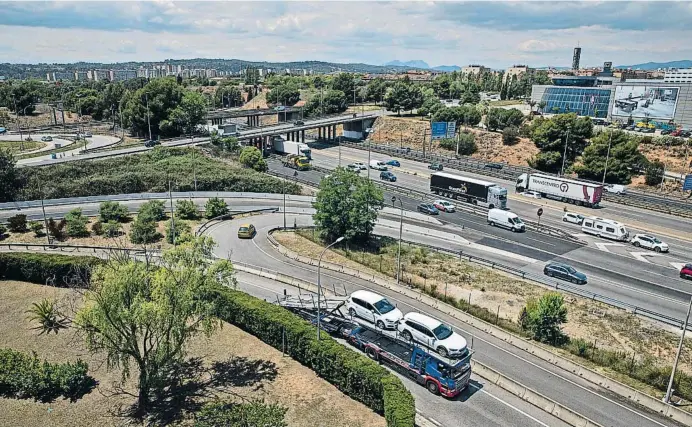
x=246, y=231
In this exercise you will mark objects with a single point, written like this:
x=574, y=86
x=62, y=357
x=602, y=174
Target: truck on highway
x=567, y=190
x=472, y=190
x=282, y=146
x=296, y=161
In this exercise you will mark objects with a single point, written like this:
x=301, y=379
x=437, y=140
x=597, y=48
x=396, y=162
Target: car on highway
x=444, y=206
x=374, y=308
x=387, y=176
x=359, y=165
x=87, y=135
x=615, y=188
x=246, y=231
x=436, y=166
x=573, y=218
x=353, y=168
x=531, y=194
x=564, y=272
x=686, y=272
x=298, y=123
x=378, y=164
x=433, y=334
x=151, y=143
x=393, y=163
x=279, y=108
x=493, y=166
x=46, y=138
x=427, y=208
x=648, y=241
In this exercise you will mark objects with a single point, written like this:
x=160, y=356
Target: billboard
x=653, y=102
x=439, y=130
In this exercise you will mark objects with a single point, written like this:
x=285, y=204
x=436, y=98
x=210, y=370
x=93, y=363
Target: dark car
x=388, y=176
x=686, y=272
x=393, y=163
x=435, y=166
x=564, y=272
x=298, y=123
x=493, y=166
x=151, y=143
x=428, y=208
x=665, y=132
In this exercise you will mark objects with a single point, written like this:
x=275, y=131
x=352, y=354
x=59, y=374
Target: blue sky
x=496, y=34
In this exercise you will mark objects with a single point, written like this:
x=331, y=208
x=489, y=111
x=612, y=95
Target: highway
x=94, y=142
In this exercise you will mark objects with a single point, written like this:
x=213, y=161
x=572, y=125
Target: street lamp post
x=401, y=230
x=564, y=155
x=319, y=284
x=669, y=392
x=605, y=170
x=148, y=116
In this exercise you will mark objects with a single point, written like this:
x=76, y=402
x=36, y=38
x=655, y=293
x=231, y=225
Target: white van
x=373, y=308
x=606, y=228
x=378, y=164
x=505, y=219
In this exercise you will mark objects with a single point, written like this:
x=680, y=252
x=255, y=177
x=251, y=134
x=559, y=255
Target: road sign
x=451, y=129
x=540, y=212
x=687, y=185
x=439, y=130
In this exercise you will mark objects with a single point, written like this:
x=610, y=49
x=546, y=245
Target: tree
x=654, y=173
x=403, y=97
x=178, y=228
x=215, y=207
x=3, y=230
x=153, y=210
x=284, y=95
x=113, y=211
x=543, y=318
x=143, y=316
x=9, y=177
x=144, y=231
x=185, y=118
x=551, y=135
x=469, y=97
x=163, y=95
x=347, y=205
x=541, y=105
x=186, y=209
x=228, y=96
x=510, y=135
x=251, y=157
x=624, y=159
x=500, y=118
x=112, y=229
x=218, y=414
x=344, y=82
x=56, y=229
x=37, y=228
x=376, y=89
x=76, y=223
x=431, y=105
x=466, y=143
x=17, y=223
x=330, y=102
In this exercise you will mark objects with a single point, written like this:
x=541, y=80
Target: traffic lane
x=564, y=387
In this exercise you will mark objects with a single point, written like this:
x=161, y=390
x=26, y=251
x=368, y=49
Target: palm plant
x=48, y=317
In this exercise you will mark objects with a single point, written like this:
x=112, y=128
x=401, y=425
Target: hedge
x=25, y=376
x=352, y=373
x=37, y=268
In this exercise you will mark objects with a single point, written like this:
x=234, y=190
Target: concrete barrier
x=532, y=347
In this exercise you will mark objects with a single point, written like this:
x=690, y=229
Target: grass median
x=612, y=341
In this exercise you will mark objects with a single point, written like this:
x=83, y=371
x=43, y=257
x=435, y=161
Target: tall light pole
x=669, y=392
x=319, y=284
x=283, y=190
x=148, y=118
x=564, y=155
x=605, y=170
x=401, y=230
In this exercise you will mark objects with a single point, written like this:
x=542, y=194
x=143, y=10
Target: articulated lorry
x=472, y=190
x=296, y=161
x=281, y=146
x=567, y=190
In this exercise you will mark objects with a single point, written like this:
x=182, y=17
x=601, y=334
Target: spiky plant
x=48, y=316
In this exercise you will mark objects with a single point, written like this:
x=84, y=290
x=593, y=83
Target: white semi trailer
x=567, y=190
x=283, y=146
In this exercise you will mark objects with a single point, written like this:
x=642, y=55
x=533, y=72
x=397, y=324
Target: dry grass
x=15, y=147
x=676, y=159
x=311, y=400
x=608, y=327
x=490, y=148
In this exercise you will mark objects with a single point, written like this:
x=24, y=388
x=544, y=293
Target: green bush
x=354, y=374
x=251, y=157
x=37, y=228
x=654, y=173
x=144, y=231
x=186, y=209
x=221, y=414
x=97, y=228
x=57, y=229
x=17, y=223
x=510, y=135
x=215, y=207
x=37, y=268
x=182, y=231
x=25, y=376
x=3, y=230
x=112, y=229
x=153, y=210
x=76, y=223
x=113, y=211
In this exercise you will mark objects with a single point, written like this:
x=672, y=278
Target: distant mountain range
x=685, y=63
x=417, y=63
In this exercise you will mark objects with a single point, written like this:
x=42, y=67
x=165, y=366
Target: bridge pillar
x=302, y=136
x=319, y=134
x=333, y=132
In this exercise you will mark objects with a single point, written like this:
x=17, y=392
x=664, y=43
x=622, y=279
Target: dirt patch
x=490, y=148
x=676, y=158
x=602, y=325
x=311, y=401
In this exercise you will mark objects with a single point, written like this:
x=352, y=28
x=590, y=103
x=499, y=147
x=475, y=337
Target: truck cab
x=522, y=182
x=497, y=197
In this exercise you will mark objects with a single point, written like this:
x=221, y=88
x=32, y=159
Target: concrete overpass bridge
x=222, y=116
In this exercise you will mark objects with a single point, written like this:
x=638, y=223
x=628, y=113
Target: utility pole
x=283, y=190
x=16, y=121
x=605, y=170
x=401, y=230
x=564, y=155
x=194, y=168
x=43, y=208
x=319, y=284
x=669, y=392
x=170, y=197
x=148, y=118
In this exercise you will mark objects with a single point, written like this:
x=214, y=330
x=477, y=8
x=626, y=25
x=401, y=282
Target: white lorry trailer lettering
x=567, y=190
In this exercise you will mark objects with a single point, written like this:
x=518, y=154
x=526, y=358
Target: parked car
x=373, y=308
x=387, y=176
x=573, y=218
x=353, y=168
x=686, y=272
x=46, y=138
x=432, y=333
x=359, y=165
x=665, y=132
x=564, y=272
x=428, y=208
x=435, y=166
x=246, y=231
x=393, y=163
x=648, y=130
x=444, y=206
x=298, y=123
x=493, y=166
x=151, y=143
x=648, y=241
x=531, y=194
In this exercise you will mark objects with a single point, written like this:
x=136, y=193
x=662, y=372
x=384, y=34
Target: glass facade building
x=583, y=101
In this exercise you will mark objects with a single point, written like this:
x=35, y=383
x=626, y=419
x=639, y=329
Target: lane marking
x=604, y=246
x=678, y=265
x=640, y=256
x=511, y=406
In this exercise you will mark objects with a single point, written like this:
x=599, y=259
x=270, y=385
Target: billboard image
x=654, y=102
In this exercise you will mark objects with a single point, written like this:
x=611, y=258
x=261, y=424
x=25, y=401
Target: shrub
x=56, y=229
x=218, y=414
x=112, y=229
x=186, y=209
x=543, y=318
x=182, y=231
x=37, y=228
x=510, y=135
x=97, y=228
x=144, y=231
x=654, y=173
x=215, y=207
x=76, y=223
x=153, y=210
x=17, y=223
x=25, y=376
x=251, y=157
x=354, y=374
x=38, y=268
x=113, y=211
x=3, y=230
x=466, y=141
